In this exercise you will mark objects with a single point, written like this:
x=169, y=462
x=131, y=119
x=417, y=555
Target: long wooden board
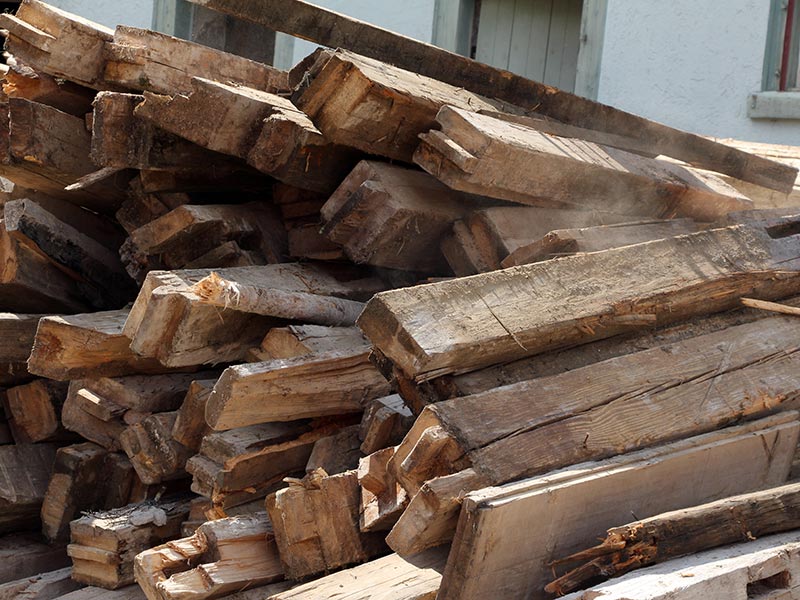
x=463, y=325
x=326, y=27
x=517, y=565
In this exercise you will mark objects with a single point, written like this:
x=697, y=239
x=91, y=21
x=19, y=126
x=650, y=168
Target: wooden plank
x=140, y=59
x=386, y=421
x=336, y=453
x=132, y=592
x=24, y=473
x=57, y=42
x=483, y=155
x=506, y=315
x=107, y=284
x=46, y=586
x=47, y=150
x=677, y=533
x=330, y=383
x=761, y=569
x=316, y=525
x=388, y=216
x=563, y=242
x=33, y=411
x=390, y=578
x=234, y=554
x=91, y=344
x=154, y=454
x=190, y=423
x=383, y=500
x=21, y=81
x=334, y=30
x=379, y=109
x=315, y=294
x=261, y=128
x=517, y=568
x=17, y=332
x=27, y=555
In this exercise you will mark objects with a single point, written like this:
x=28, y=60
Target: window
x=780, y=95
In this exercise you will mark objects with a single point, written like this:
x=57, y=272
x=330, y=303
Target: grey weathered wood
x=331, y=29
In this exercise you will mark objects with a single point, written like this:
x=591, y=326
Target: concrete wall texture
x=691, y=65
x=137, y=13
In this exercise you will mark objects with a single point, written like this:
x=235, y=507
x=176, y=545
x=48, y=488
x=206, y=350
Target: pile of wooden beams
x=358, y=329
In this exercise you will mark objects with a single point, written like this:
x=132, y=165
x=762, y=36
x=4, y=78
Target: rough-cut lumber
x=307, y=241
x=57, y=42
x=312, y=293
x=132, y=592
x=190, y=423
x=155, y=455
x=33, y=411
x=22, y=81
x=336, y=453
x=385, y=423
x=27, y=555
x=24, y=473
x=91, y=344
x=463, y=254
x=205, y=228
x=234, y=467
x=392, y=217
x=563, y=242
x=523, y=311
x=139, y=59
x=17, y=332
x=330, y=383
x=122, y=141
x=107, y=284
x=230, y=555
x=708, y=467
x=482, y=155
x=764, y=569
x=302, y=340
x=85, y=477
x=388, y=578
x=334, y=30
x=678, y=533
x=316, y=525
x=383, y=500
x=45, y=586
x=375, y=107
x=105, y=544
x=264, y=129
x=45, y=149
x=651, y=397
x=225, y=256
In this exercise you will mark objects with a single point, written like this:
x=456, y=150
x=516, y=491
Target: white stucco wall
x=691, y=65
x=137, y=13
x=413, y=18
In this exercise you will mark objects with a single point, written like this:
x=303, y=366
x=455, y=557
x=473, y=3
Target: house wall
x=691, y=65
x=137, y=13
x=413, y=18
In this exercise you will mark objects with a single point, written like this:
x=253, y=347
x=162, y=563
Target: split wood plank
x=17, y=332
x=506, y=315
x=154, y=454
x=500, y=432
x=334, y=30
x=22, y=81
x=264, y=129
x=233, y=554
x=58, y=42
x=517, y=567
x=85, y=477
x=303, y=340
x=140, y=59
x=104, y=545
x=678, y=533
x=761, y=569
x=91, y=344
x=383, y=500
x=24, y=473
x=190, y=423
x=316, y=525
x=389, y=216
x=45, y=149
x=336, y=453
x=482, y=155
x=307, y=241
x=563, y=242
x=379, y=109
x=27, y=555
x=45, y=586
x=330, y=383
x=385, y=423
x=319, y=294
x=234, y=467
x=132, y=592
x=107, y=284
x=388, y=578
x=33, y=411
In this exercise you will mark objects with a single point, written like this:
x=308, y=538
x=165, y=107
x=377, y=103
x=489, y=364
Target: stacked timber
x=357, y=329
